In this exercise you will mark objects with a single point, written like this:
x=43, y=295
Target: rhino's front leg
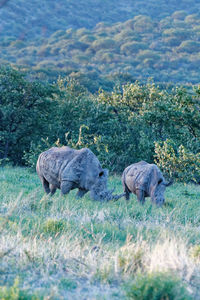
x=81, y=193
x=52, y=189
x=140, y=196
x=66, y=187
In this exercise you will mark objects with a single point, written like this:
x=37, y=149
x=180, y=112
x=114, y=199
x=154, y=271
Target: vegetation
x=134, y=122
x=63, y=247
x=166, y=49
x=36, y=20
x=77, y=73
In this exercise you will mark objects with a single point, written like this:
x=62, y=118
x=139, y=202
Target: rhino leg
x=81, y=193
x=45, y=185
x=66, y=187
x=126, y=191
x=140, y=196
x=52, y=189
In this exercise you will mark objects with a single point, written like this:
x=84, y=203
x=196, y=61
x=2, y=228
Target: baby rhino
x=144, y=180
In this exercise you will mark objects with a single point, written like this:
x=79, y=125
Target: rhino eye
x=159, y=181
x=101, y=173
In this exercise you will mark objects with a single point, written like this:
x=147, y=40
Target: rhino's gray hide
x=66, y=169
x=144, y=180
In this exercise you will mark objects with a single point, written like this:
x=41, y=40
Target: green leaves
x=25, y=109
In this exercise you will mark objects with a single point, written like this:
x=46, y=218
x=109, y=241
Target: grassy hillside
x=64, y=248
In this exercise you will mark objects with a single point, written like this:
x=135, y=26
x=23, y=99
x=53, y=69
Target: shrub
x=180, y=34
x=177, y=162
x=157, y=286
x=15, y=293
x=143, y=24
x=103, y=44
x=53, y=226
x=195, y=252
x=132, y=47
x=179, y=15
x=189, y=46
x=143, y=54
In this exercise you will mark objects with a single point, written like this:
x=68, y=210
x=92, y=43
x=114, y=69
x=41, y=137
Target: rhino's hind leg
x=126, y=191
x=52, y=189
x=140, y=196
x=45, y=185
x=81, y=193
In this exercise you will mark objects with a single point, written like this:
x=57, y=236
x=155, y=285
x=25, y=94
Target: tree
x=25, y=113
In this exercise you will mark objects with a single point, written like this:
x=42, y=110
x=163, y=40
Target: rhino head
x=99, y=190
x=157, y=193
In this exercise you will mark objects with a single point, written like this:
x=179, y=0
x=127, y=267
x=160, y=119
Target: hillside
x=142, y=47
x=36, y=19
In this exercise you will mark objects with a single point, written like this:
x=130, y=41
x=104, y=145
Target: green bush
x=53, y=226
x=15, y=293
x=25, y=113
x=177, y=162
x=157, y=286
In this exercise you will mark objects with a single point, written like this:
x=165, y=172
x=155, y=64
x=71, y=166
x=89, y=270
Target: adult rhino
x=144, y=180
x=67, y=169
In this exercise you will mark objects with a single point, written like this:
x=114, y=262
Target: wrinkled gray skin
x=67, y=169
x=144, y=180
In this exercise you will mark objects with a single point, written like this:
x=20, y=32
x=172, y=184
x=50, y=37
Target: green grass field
x=63, y=248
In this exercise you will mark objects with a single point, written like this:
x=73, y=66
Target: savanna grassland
x=64, y=248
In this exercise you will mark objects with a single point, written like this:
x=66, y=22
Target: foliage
x=30, y=157
x=53, y=227
x=15, y=293
x=157, y=286
x=120, y=127
x=178, y=163
x=195, y=252
x=25, y=113
x=140, y=44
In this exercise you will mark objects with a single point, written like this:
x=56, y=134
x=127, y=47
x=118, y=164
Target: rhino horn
x=117, y=197
x=110, y=196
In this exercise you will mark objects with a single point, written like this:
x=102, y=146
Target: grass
x=63, y=248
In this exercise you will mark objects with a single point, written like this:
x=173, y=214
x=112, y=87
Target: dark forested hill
x=32, y=19
x=102, y=42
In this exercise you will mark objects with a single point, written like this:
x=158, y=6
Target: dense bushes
x=121, y=127
x=25, y=113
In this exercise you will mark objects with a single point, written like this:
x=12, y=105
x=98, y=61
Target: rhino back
x=140, y=176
